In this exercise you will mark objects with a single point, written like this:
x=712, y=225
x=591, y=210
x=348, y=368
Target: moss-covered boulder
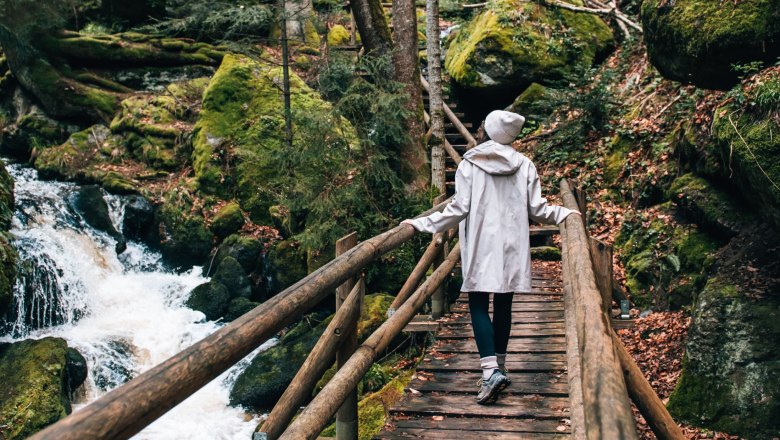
x=243, y=118
x=524, y=103
x=246, y=250
x=31, y=129
x=270, y=373
x=238, y=307
x=698, y=41
x=338, y=35
x=731, y=373
x=546, y=253
x=227, y=220
x=744, y=131
x=39, y=377
x=181, y=232
x=708, y=206
x=515, y=43
x=7, y=251
x=212, y=298
x=285, y=265
x=231, y=275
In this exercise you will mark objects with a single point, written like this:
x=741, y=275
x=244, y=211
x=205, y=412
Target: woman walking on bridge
x=497, y=191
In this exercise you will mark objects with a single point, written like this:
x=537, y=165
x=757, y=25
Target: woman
x=497, y=191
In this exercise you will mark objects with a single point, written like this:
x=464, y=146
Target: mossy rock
x=546, y=253
x=8, y=257
x=747, y=144
x=243, y=116
x=239, y=307
x=32, y=132
x=338, y=35
x=731, y=373
x=523, y=104
x=88, y=201
x=39, y=377
x=6, y=198
x=183, y=237
x=261, y=384
x=246, y=250
x=212, y=298
x=697, y=41
x=231, y=275
x=514, y=43
x=228, y=219
x=709, y=207
x=286, y=264
x=372, y=408
x=616, y=161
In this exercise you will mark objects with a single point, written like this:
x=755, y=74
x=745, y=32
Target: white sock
x=501, y=360
x=488, y=364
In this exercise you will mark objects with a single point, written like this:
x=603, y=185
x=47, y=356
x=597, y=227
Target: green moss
x=184, y=239
x=229, y=219
x=747, y=145
x=373, y=314
x=698, y=40
x=510, y=45
x=708, y=206
x=338, y=35
x=523, y=104
x=373, y=408
x=211, y=298
x=546, y=253
x=616, y=161
x=36, y=386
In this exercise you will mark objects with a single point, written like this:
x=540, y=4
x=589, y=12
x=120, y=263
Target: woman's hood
x=495, y=158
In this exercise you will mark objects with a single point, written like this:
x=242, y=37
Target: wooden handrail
x=313, y=419
x=417, y=274
x=454, y=155
x=454, y=119
x=605, y=400
x=320, y=359
x=129, y=408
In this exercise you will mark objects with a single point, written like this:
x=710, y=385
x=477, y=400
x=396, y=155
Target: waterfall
x=124, y=313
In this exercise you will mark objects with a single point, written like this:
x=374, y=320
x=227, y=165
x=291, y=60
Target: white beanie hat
x=503, y=127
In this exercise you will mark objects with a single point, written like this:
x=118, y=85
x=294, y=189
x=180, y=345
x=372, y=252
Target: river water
x=124, y=314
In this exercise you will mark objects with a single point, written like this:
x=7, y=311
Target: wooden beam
x=315, y=416
x=418, y=273
x=347, y=415
x=319, y=360
x=645, y=398
x=129, y=408
x=601, y=255
x=605, y=399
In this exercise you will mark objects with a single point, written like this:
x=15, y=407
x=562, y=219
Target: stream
x=124, y=314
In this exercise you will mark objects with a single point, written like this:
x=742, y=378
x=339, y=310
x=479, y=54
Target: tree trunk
x=297, y=22
x=373, y=28
x=414, y=164
x=434, y=96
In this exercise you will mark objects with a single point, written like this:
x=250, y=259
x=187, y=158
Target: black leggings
x=492, y=337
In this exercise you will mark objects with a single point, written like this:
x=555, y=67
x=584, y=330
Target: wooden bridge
x=571, y=376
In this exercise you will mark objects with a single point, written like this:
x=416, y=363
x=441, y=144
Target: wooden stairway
x=439, y=402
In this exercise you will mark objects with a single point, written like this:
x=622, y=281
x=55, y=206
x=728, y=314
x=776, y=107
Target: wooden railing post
x=347, y=416
x=438, y=300
x=601, y=254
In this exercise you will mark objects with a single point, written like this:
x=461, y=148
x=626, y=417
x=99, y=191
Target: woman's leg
x=502, y=322
x=483, y=331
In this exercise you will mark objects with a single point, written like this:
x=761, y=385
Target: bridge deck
x=440, y=400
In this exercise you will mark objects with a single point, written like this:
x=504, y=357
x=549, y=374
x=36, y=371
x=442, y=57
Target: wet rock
x=88, y=201
x=7, y=251
x=232, y=276
x=183, y=237
x=246, y=250
x=38, y=378
x=285, y=265
x=698, y=41
x=211, y=298
x=238, y=307
x=138, y=221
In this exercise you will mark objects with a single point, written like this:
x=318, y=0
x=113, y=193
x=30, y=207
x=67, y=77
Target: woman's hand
x=576, y=212
x=408, y=222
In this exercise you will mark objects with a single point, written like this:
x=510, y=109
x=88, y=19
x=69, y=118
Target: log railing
x=602, y=375
x=453, y=118
x=129, y=408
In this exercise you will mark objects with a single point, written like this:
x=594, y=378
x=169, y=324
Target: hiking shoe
x=508, y=380
x=490, y=388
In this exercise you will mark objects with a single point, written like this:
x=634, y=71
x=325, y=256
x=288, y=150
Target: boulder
x=228, y=219
x=246, y=250
x=230, y=274
x=698, y=41
x=39, y=377
x=242, y=116
x=546, y=253
x=88, y=201
x=138, y=221
x=711, y=208
x=338, y=35
x=731, y=371
x=183, y=237
x=211, y=298
x=746, y=141
x=514, y=43
x=238, y=307
x=285, y=265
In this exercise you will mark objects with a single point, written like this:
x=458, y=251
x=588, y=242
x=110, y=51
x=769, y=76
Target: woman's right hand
x=408, y=222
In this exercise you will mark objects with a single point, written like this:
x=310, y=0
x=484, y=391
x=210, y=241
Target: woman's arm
x=538, y=209
x=455, y=211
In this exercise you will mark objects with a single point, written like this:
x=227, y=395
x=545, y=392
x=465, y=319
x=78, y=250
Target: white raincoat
x=497, y=191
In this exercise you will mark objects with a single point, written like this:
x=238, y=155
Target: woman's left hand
x=408, y=222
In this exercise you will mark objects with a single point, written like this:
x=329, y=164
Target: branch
x=600, y=9
x=475, y=5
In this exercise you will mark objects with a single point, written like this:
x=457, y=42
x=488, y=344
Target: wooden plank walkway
x=439, y=402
